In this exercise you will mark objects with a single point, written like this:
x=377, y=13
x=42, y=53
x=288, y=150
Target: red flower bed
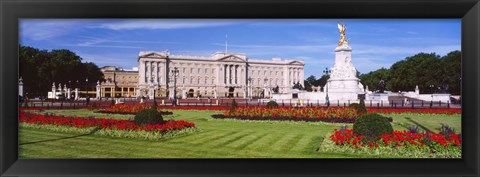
x=294, y=112
x=134, y=108
x=423, y=111
x=395, y=139
x=212, y=108
x=337, y=115
x=104, y=123
x=22, y=109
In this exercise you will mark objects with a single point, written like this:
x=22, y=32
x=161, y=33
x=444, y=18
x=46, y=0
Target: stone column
x=141, y=72
x=184, y=92
x=97, y=89
x=20, y=86
x=149, y=71
x=69, y=93
x=54, y=90
x=228, y=74
x=234, y=79
x=59, y=88
x=76, y=93
x=154, y=72
x=64, y=90
x=150, y=91
x=232, y=70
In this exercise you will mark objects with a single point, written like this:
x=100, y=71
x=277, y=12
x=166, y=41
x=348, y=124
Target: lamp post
x=175, y=75
x=86, y=82
x=327, y=72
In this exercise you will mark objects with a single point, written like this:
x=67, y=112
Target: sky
x=376, y=43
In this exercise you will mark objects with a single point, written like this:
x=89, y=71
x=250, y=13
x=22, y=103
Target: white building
x=219, y=75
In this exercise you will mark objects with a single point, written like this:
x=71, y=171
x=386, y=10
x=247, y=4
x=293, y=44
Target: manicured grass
x=426, y=121
x=216, y=139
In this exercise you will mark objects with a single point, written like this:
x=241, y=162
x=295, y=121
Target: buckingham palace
x=219, y=75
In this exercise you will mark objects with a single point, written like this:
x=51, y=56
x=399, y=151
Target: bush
x=446, y=130
x=234, y=105
x=359, y=107
x=413, y=129
x=372, y=125
x=148, y=116
x=272, y=104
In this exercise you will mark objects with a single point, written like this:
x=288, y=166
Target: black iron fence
x=227, y=102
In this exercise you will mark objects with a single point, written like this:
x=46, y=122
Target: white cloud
x=153, y=24
x=42, y=29
x=405, y=51
x=125, y=61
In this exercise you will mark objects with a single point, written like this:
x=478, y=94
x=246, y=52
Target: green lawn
x=216, y=138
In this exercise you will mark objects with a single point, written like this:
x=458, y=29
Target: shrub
x=272, y=104
x=413, y=129
x=148, y=116
x=234, y=105
x=359, y=107
x=372, y=125
x=446, y=130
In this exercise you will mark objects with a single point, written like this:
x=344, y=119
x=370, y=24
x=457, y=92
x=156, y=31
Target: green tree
x=422, y=69
x=40, y=68
x=309, y=82
x=372, y=78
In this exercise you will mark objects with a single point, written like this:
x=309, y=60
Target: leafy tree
x=322, y=81
x=372, y=78
x=309, y=82
x=40, y=68
x=422, y=69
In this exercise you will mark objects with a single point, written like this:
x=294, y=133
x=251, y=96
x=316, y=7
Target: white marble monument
x=343, y=84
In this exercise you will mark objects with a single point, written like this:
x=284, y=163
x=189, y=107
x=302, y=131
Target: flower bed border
x=104, y=126
x=132, y=113
x=398, y=143
x=300, y=119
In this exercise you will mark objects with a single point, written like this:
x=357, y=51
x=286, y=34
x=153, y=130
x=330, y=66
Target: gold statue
x=341, y=29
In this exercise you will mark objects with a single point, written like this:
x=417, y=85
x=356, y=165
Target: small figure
x=380, y=86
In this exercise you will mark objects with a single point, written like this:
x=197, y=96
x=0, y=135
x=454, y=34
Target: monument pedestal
x=343, y=84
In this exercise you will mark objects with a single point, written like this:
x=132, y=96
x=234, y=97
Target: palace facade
x=118, y=82
x=219, y=75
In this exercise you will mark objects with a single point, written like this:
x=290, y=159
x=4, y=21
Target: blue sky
x=376, y=43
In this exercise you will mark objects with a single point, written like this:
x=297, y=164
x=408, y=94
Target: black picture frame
x=11, y=11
